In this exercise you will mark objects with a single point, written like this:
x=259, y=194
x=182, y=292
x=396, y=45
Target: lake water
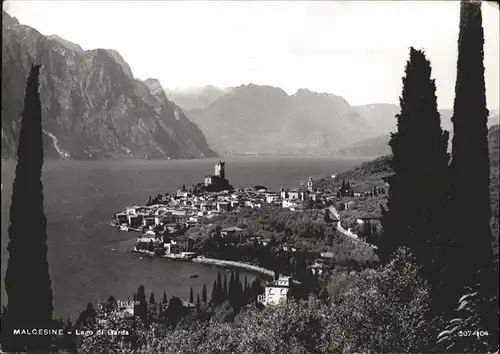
x=89, y=260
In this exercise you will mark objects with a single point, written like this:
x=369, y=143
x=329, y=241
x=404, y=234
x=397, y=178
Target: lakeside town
x=164, y=223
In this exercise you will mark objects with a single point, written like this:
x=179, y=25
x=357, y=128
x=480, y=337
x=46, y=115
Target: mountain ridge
x=264, y=119
x=92, y=106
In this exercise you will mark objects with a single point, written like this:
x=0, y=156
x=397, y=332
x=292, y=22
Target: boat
x=123, y=228
x=194, y=276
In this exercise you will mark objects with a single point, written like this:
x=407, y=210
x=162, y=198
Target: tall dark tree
x=191, y=296
x=225, y=290
x=141, y=306
x=204, y=293
x=472, y=263
x=27, y=279
x=219, y=293
x=152, y=299
x=165, y=299
x=418, y=188
x=213, y=297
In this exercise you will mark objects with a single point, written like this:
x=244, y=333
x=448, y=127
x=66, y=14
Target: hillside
x=381, y=116
x=266, y=120
x=379, y=146
x=92, y=106
x=370, y=174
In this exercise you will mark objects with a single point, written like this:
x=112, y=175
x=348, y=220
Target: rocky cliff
x=266, y=120
x=92, y=106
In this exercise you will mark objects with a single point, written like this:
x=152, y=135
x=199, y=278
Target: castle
x=220, y=174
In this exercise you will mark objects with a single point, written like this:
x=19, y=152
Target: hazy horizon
x=357, y=50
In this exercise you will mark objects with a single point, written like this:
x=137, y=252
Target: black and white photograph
x=252, y=176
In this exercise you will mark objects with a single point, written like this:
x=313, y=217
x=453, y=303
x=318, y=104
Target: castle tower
x=310, y=185
x=220, y=169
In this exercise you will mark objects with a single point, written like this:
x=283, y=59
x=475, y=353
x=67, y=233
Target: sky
x=355, y=49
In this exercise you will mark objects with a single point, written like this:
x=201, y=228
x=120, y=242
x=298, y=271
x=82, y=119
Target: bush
x=379, y=311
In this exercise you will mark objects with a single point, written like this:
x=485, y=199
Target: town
x=165, y=220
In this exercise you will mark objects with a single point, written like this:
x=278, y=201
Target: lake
x=89, y=260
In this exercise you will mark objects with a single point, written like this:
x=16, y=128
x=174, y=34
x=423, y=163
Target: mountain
x=196, y=97
x=70, y=45
x=381, y=114
x=378, y=146
x=381, y=117
x=266, y=120
x=92, y=106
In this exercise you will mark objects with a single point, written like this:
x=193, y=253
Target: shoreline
x=224, y=263
x=214, y=262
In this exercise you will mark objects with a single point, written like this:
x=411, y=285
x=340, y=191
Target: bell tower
x=310, y=185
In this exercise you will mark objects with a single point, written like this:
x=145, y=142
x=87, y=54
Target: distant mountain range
x=92, y=106
x=379, y=145
x=196, y=97
x=254, y=119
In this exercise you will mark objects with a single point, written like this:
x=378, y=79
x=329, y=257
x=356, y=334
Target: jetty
x=242, y=265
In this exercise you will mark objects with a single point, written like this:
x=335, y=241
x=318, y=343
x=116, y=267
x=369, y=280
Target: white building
x=276, y=291
x=271, y=198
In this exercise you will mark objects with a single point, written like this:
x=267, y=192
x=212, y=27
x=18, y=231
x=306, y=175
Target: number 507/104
x=472, y=333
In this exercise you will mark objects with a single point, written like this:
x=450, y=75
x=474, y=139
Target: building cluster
x=172, y=214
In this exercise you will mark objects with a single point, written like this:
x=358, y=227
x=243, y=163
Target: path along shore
x=216, y=262
x=223, y=263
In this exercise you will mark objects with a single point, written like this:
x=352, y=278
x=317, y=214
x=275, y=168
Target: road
x=346, y=233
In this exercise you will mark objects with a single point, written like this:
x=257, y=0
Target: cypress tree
x=231, y=289
x=472, y=261
x=27, y=279
x=198, y=303
x=213, y=297
x=165, y=299
x=204, y=293
x=417, y=193
x=225, y=291
x=245, y=289
x=219, y=294
x=152, y=299
x=191, y=296
x=141, y=307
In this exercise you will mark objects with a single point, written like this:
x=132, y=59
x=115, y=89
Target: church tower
x=310, y=184
x=220, y=169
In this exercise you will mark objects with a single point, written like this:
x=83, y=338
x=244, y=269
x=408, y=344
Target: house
x=230, y=232
x=234, y=204
x=122, y=218
x=125, y=308
x=205, y=206
x=326, y=255
x=222, y=206
x=150, y=220
x=131, y=210
x=171, y=247
x=271, y=198
x=290, y=203
x=135, y=220
x=276, y=291
x=318, y=267
x=209, y=180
